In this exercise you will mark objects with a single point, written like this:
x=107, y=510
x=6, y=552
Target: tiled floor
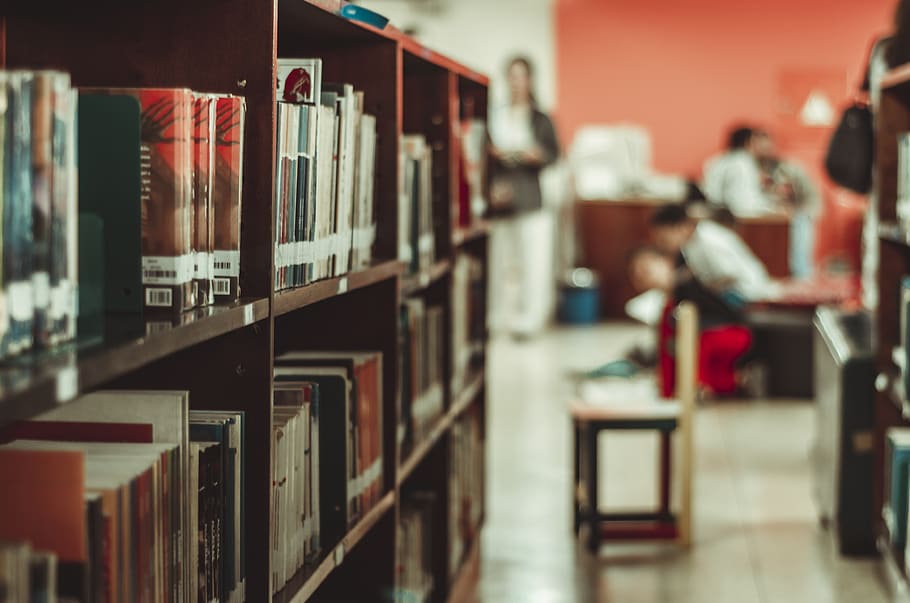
x=756, y=534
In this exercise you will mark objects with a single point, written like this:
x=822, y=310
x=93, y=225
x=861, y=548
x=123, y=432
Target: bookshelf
x=224, y=356
x=894, y=264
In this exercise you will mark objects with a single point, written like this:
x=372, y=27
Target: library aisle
x=757, y=538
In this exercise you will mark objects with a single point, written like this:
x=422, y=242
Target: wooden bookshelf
x=894, y=263
x=224, y=356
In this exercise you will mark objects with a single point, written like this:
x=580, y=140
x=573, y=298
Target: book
x=17, y=210
x=903, y=180
x=468, y=324
x=64, y=217
x=227, y=194
x=166, y=179
x=897, y=465
x=335, y=416
x=15, y=571
x=422, y=336
x=416, y=241
x=466, y=487
x=202, y=225
x=472, y=146
x=417, y=542
x=364, y=371
x=42, y=160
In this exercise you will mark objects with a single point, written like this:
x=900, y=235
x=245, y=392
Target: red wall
x=687, y=69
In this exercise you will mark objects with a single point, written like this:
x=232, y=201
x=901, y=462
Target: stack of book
x=39, y=199
x=465, y=487
x=468, y=328
x=416, y=245
x=325, y=174
x=471, y=201
x=422, y=349
x=416, y=540
x=897, y=485
x=335, y=398
x=133, y=510
x=191, y=164
x=295, y=479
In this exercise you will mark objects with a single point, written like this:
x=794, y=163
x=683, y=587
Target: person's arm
x=808, y=196
x=742, y=188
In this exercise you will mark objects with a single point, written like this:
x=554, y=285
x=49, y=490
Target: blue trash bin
x=579, y=298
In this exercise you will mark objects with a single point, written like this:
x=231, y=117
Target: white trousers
x=521, y=286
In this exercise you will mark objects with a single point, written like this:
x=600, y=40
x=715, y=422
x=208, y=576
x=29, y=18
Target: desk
x=609, y=230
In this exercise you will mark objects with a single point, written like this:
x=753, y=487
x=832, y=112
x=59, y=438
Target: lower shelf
x=310, y=577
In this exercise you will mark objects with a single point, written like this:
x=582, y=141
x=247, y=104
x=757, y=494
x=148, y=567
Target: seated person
x=723, y=340
x=716, y=255
x=794, y=192
x=732, y=179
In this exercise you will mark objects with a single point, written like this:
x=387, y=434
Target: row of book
x=137, y=498
x=27, y=575
x=422, y=344
x=415, y=547
x=416, y=243
x=39, y=200
x=325, y=172
x=466, y=491
x=327, y=436
x=190, y=169
x=471, y=203
x=468, y=323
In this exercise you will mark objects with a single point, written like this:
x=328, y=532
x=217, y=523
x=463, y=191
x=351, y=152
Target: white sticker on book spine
x=227, y=263
x=167, y=270
x=21, y=301
x=67, y=384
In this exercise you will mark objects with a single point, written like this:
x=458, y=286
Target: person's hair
x=525, y=62
x=672, y=214
x=740, y=137
x=898, y=51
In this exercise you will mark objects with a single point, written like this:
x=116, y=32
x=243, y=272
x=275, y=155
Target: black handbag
x=851, y=152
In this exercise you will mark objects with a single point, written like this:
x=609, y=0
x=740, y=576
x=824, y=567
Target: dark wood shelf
x=462, y=236
x=415, y=48
x=420, y=450
x=465, y=583
x=415, y=283
x=311, y=576
x=295, y=299
x=37, y=382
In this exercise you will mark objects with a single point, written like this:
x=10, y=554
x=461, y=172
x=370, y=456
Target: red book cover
x=43, y=501
x=227, y=193
x=74, y=431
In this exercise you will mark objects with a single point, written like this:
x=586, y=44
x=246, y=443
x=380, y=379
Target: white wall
x=484, y=34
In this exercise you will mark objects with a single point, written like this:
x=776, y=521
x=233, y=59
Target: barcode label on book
x=222, y=286
x=227, y=263
x=159, y=298
x=167, y=270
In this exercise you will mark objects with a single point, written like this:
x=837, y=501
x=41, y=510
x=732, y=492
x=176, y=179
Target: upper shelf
x=893, y=233
x=37, y=382
x=294, y=299
x=320, y=22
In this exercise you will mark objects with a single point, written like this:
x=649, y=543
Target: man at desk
x=713, y=253
x=733, y=179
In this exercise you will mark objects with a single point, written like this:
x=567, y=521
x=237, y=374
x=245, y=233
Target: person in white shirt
x=716, y=255
x=733, y=179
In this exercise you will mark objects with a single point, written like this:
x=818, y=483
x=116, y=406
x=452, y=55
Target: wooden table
x=609, y=230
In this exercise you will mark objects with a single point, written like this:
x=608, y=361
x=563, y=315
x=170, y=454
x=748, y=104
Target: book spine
x=42, y=170
x=18, y=260
x=201, y=224
x=227, y=195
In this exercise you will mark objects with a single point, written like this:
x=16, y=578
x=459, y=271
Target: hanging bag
x=851, y=152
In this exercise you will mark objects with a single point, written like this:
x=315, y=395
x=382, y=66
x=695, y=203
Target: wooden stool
x=663, y=416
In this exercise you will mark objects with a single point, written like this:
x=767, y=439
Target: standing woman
x=522, y=142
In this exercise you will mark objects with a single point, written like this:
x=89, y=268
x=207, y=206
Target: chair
x=664, y=416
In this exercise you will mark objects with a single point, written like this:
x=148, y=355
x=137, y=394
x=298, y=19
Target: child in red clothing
x=723, y=340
